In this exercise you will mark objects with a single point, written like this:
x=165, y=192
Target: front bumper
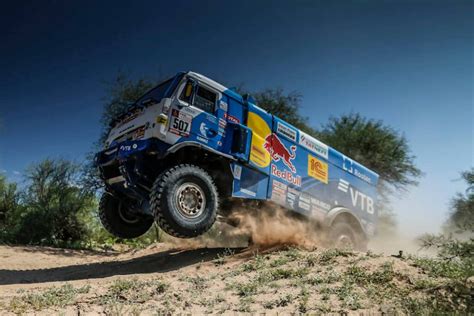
x=123, y=167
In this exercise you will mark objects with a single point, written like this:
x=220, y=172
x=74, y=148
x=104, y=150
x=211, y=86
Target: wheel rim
x=190, y=200
x=126, y=216
x=344, y=242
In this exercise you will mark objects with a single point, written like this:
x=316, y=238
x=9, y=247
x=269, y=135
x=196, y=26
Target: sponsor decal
x=279, y=186
x=180, y=123
x=277, y=151
x=125, y=147
x=343, y=185
x=358, y=199
x=279, y=192
x=130, y=116
x=203, y=129
x=361, y=200
x=231, y=118
x=223, y=106
x=304, y=202
x=304, y=206
x=128, y=147
x=349, y=166
x=237, y=172
x=286, y=131
x=190, y=110
x=211, y=118
x=258, y=156
x=161, y=120
x=222, y=123
x=317, y=169
x=320, y=204
x=286, y=176
x=305, y=198
x=293, y=191
x=248, y=192
x=314, y=145
x=260, y=130
x=291, y=197
x=202, y=139
x=139, y=132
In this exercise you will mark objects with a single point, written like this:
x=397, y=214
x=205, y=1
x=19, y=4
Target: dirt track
x=164, y=279
x=26, y=267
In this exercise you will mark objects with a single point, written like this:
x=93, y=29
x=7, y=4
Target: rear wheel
x=344, y=236
x=118, y=220
x=184, y=201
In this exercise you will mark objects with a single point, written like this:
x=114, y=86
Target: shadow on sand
x=154, y=263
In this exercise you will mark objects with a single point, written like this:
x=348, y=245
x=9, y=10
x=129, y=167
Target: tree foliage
x=284, y=105
x=462, y=206
x=120, y=94
x=8, y=204
x=455, y=247
x=375, y=145
x=51, y=205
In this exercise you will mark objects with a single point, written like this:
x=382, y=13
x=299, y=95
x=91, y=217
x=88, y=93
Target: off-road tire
x=163, y=201
x=114, y=222
x=344, y=230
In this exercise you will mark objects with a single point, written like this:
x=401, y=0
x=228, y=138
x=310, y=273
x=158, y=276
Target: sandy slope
x=163, y=279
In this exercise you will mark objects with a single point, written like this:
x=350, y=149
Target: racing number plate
x=180, y=123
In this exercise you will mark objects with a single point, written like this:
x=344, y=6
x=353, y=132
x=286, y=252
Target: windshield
x=163, y=90
x=155, y=94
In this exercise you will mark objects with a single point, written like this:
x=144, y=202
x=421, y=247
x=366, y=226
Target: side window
x=205, y=99
x=187, y=93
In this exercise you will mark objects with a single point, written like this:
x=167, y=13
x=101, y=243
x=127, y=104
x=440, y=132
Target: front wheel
x=118, y=220
x=184, y=200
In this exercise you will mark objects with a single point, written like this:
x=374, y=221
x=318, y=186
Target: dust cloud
x=265, y=227
x=273, y=225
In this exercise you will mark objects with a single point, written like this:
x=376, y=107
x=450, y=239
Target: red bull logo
x=278, y=151
x=286, y=175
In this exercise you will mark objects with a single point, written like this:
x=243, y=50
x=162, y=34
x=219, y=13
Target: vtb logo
x=278, y=151
x=358, y=199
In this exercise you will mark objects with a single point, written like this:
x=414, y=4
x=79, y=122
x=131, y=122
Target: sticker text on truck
x=314, y=145
x=317, y=169
x=286, y=175
x=180, y=123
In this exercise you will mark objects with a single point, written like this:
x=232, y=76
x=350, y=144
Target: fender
x=181, y=145
x=332, y=214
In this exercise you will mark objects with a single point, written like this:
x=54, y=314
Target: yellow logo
x=260, y=130
x=317, y=169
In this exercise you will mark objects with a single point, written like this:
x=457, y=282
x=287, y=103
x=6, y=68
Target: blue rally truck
x=190, y=142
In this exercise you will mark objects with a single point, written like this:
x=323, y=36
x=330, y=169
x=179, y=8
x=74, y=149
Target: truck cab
x=190, y=142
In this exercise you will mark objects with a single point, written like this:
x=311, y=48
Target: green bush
x=50, y=206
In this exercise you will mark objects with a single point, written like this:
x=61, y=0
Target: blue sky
x=408, y=63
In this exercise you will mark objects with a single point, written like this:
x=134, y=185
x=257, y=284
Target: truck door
x=196, y=115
